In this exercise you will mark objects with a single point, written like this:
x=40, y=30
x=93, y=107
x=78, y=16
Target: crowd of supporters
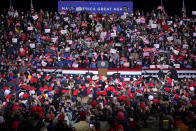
x=74, y=40
x=30, y=100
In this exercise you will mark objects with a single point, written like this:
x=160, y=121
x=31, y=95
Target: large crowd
x=75, y=40
x=31, y=100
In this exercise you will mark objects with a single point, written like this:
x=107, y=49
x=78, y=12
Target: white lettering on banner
x=63, y=8
x=94, y=8
x=91, y=6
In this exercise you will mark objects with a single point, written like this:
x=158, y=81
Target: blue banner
x=96, y=6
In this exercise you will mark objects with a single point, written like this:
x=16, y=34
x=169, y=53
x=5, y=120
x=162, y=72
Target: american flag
x=161, y=7
x=32, y=8
x=183, y=10
x=11, y=6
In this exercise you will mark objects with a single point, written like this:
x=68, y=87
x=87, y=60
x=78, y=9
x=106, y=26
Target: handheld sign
x=14, y=40
x=47, y=30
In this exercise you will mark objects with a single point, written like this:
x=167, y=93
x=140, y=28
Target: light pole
x=31, y=6
x=183, y=9
x=162, y=5
x=11, y=4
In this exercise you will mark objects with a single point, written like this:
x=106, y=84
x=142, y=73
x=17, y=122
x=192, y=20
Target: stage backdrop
x=96, y=6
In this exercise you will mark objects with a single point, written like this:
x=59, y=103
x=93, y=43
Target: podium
x=102, y=68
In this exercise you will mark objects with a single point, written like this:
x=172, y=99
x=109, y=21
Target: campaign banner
x=96, y=6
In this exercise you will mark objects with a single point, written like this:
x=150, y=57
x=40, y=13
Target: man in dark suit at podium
x=102, y=57
x=102, y=64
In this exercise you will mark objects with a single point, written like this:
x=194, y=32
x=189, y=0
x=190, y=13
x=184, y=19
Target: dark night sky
x=172, y=7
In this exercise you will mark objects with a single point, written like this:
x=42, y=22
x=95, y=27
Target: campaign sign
x=96, y=6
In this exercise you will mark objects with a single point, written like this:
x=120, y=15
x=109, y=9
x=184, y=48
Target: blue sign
x=96, y=6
